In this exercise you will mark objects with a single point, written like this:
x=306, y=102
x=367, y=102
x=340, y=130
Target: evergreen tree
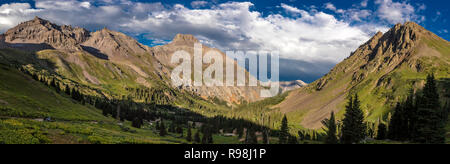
x=354, y=128
x=240, y=132
x=205, y=138
x=284, y=131
x=381, y=133
x=292, y=140
x=179, y=130
x=330, y=128
x=430, y=125
x=67, y=90
x=210, y=138
x=397, y=123
x=162, y=129
x=137, y=122
x=197, y=137
x=251, y=139
x=189, y=134
x=157, y=125
x=265, y=137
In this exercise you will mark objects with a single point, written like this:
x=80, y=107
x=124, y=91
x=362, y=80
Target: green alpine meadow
x=80, y=81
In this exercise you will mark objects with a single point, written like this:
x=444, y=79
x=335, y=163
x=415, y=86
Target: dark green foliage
x=67, y=90
x=430, y=125
x=137, y=122
x=354, y=128
x=422, y=119
x=189, y=134
x=292, y=140
x=207, y=135
x=157, y=125
x=172, y=128
x=179, y=130
x=240, y=132
x=251, y=137
x=330, y=128
x=265, y=136
x=382, y=132
x=162, y=129
x=403, y=122
x=197, y=137
x=284, y=131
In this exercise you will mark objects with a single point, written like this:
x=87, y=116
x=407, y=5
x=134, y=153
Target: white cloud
x=396, y=12
x=364, y=3
x=14, y=13
x=291, y=9
x=310, y=36
x=349, y=15
x=330, y=6
x=198, y=4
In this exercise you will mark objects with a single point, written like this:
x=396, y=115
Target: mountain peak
x=185, y=38
x=38, y=20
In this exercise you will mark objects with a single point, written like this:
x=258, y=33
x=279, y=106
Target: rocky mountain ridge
x=381, y=71
x=146, y=64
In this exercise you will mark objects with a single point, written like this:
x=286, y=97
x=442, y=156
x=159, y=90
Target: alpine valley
x=64, y=84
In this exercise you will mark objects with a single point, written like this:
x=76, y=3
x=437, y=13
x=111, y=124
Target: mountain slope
x=111, y=60
x=381, y=71
x=24, y=103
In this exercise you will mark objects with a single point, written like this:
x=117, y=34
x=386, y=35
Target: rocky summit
x=381, y=72
x=107, y=57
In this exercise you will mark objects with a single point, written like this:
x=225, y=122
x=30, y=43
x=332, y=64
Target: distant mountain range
x=112, y=60
x=381, y=71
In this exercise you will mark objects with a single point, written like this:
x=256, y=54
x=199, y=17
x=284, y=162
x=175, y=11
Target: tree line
x=421, y=118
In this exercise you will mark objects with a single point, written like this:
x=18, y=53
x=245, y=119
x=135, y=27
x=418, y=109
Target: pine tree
x=354, y=128
x=137, y=122
x=197, y=137
x=430, y=125
x=251, y=139
x=284, y=131
x=67, y=90
x=265, y=137
x=381, y=133
x=397, y=123
x=205, y=138
x=189, y=134
x=157, y=125
x=292, y=140
x=330, y=128
x=162, y=129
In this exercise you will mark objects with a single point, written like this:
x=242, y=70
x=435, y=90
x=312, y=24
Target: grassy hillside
x=382, y=72
x=24, y=103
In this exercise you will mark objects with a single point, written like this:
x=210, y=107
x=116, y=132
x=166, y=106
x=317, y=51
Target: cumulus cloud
x=397, y=12
x=198, y=4
x=330, y=6
x=304, y=37
x=291, y=9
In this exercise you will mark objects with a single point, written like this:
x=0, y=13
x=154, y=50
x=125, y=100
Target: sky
x=311, y=35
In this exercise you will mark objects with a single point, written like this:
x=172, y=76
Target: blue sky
x=311, y=35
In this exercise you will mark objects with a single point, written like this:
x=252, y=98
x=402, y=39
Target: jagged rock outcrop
x=185, y=42
x=114, y=44
x=40, y=31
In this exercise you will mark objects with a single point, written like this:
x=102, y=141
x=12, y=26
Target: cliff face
x=185, y=42
x=381, y=71
x=39, y=31
x=107, y=57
